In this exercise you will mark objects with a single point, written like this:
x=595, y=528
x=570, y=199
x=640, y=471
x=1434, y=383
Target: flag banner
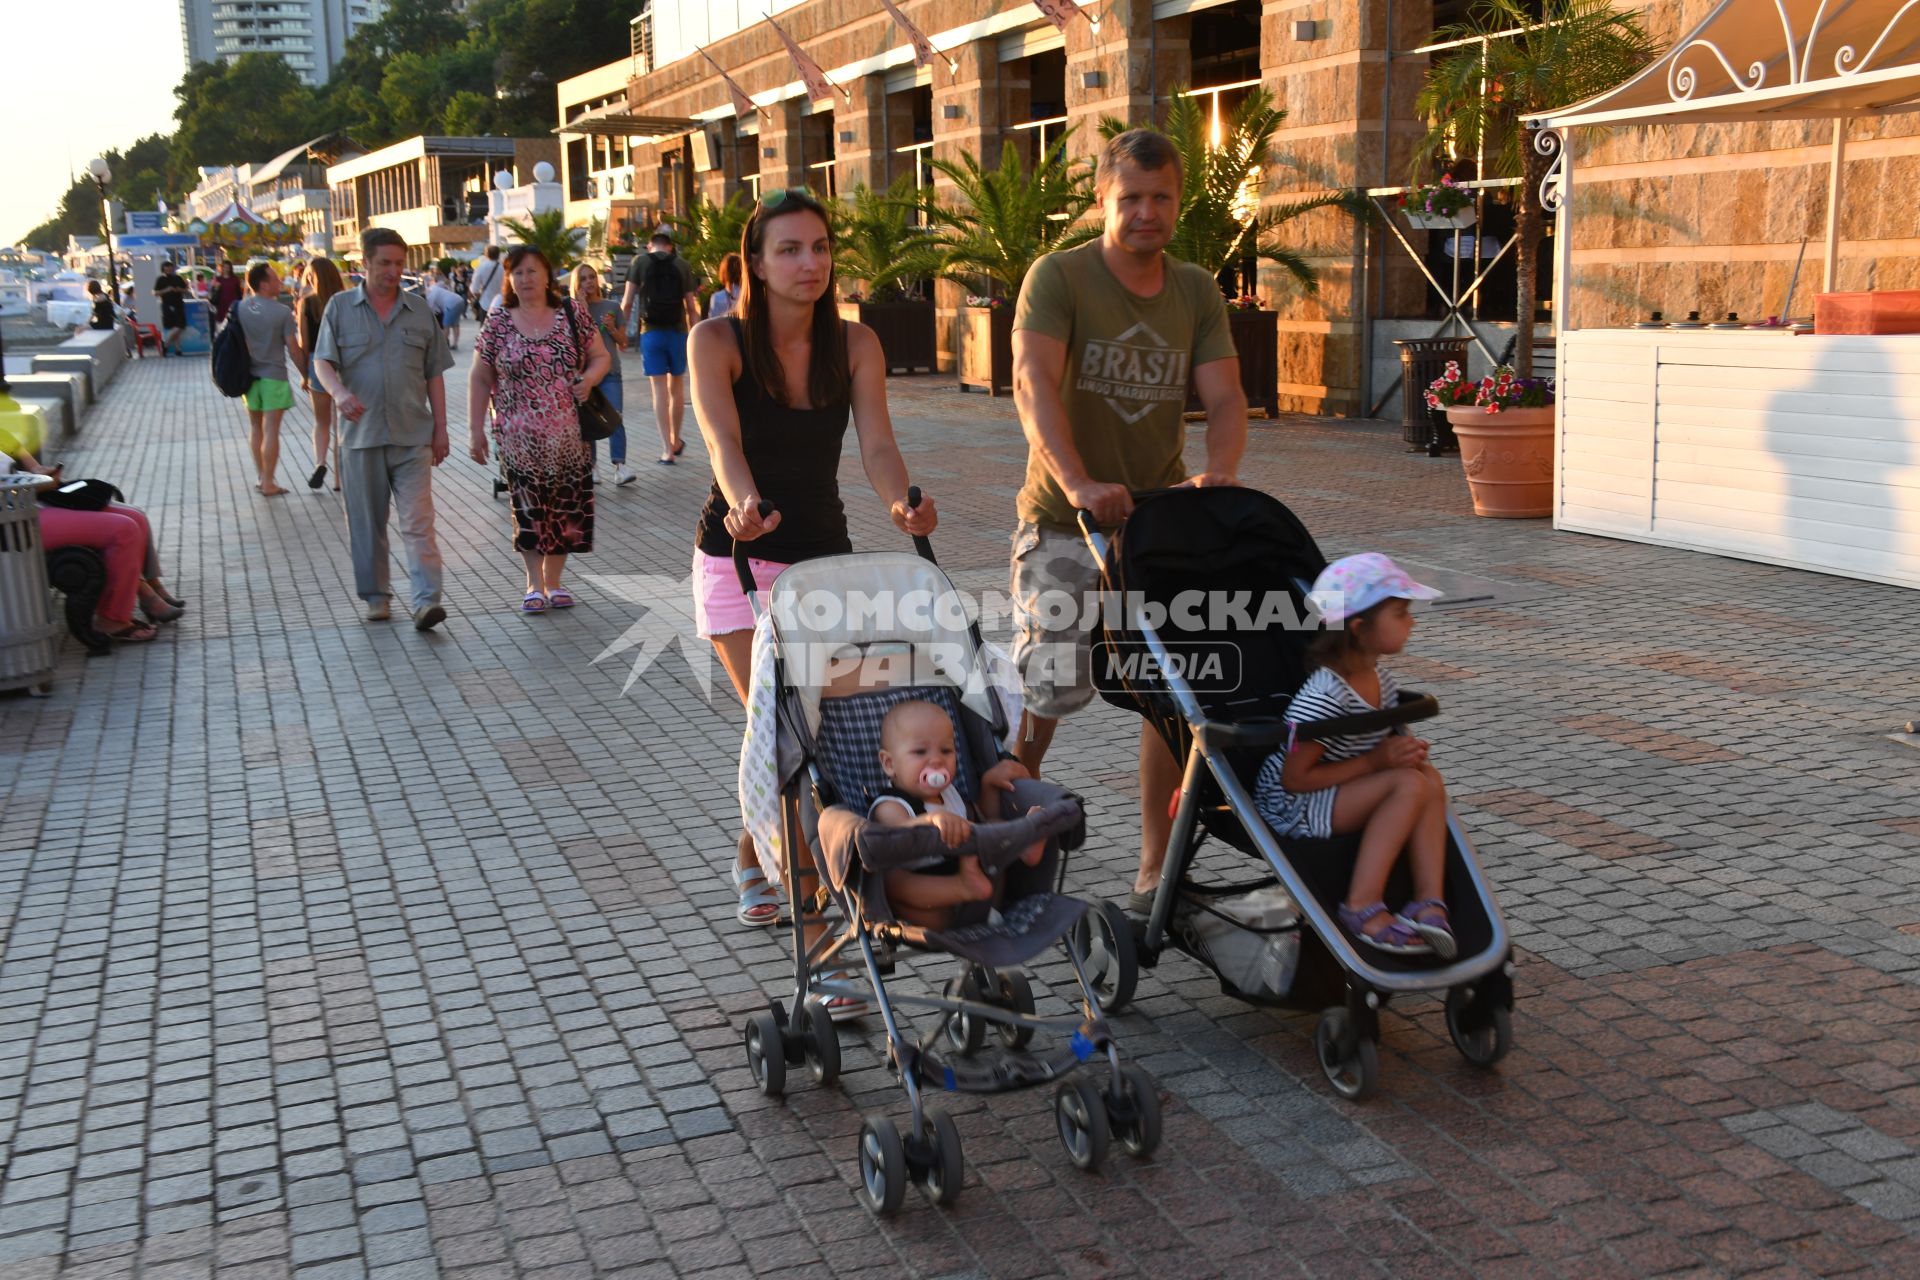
x=924, y=54
x=819, y=88
x=742, y=104
x=1061, y=12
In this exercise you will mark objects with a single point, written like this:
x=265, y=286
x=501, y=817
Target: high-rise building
x=310, y=34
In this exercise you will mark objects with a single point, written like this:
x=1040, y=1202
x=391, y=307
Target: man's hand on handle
x=1211, y=480
x=1109, y=503
x=918, y=521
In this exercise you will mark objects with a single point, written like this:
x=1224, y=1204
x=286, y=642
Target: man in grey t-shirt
x=272, y=335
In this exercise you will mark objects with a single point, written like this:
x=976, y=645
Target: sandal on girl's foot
x=759, y=901
x=134, y=633
x=1139, y=904
x=168, y=596
x=1428, y=918
x=534, y=602
x=318, y=478
x=842, y=1008
x=679, y=447
x=156, y=611
x=559, y=598
x=1396, y=938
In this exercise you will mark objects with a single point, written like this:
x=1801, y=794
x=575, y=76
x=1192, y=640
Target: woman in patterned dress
x=537, y=356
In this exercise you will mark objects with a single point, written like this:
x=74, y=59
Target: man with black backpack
x=662, y=286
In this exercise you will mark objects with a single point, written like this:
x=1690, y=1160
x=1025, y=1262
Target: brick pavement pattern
x=332, y=950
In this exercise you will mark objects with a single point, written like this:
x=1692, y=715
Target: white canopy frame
x=1804, y=60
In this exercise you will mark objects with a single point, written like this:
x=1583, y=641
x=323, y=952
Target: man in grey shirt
x=381, y=356
x=271, y=333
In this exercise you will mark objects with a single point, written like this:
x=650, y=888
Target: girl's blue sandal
x=1436, y=932
x=1399, y=938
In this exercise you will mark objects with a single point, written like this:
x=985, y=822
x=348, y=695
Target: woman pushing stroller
x=1376, y=783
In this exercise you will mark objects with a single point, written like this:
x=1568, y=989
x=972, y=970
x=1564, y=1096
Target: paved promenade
x=333, y=950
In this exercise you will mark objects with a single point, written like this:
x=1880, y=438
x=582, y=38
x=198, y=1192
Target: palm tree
x=549, y=233
x=1518, y=65
x=1006, y=218
x=875, y=240
x=709, y=232
x=1220, y=223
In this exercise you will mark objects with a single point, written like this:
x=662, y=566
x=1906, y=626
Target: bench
x=80, y=575
x=98, y=353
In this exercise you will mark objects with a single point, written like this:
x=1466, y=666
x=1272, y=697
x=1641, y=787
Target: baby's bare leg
x=917, y=889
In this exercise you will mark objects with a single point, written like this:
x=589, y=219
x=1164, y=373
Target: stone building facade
x=1672, y=219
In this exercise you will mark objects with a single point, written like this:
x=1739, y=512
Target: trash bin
x=1422, y=360
x=27, y=632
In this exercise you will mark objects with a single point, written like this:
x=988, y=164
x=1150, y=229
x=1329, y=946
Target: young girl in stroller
x=920, y=760
x=1377, y=783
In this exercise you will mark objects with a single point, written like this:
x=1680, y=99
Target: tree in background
x=139, y=178
x=250, y=109
x=1515, y=60
x=548, y=232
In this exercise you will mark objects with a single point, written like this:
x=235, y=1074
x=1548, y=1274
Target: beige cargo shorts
x=1056, y=592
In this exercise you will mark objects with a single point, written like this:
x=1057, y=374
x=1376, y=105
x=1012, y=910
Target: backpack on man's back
x=662, y=293
x=232, y=362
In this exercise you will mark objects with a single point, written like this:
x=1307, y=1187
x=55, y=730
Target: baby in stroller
x=920, y=760
x=1377, y=783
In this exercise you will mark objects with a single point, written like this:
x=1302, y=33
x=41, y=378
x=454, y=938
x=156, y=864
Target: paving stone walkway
x=333, y=950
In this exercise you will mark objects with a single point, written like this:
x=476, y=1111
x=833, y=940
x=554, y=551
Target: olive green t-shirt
x=1129, y=360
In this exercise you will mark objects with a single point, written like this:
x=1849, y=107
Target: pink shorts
x=719, y=605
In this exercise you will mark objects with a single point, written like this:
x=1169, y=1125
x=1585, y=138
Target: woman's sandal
x=759, y=901
x=1438, y=933
x=534, y=602
x=1398, y=939
x=559, y=598
x=842, y=1008
x=134, y=633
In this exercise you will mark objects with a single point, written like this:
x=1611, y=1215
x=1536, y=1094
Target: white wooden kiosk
x=1794, y=450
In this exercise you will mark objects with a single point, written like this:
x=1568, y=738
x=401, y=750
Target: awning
x=615, y=121
x=1772, y=60
x=325, y=150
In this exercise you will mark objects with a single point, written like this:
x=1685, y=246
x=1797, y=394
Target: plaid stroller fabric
x=848, y=744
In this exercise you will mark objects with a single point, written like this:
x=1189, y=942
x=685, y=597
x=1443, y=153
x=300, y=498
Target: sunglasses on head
x=781, y=196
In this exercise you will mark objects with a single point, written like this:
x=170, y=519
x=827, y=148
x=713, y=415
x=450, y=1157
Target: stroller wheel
x=883, y=1165
x=1134, y=1113
x=1104, y=938
x=1081, y=1115
x=766, y=1054
x=965, y=1033
x=1354, y=1073
x=1484, y=1038
x=945, y=1169
x=1016, y=993
x=821, y=1042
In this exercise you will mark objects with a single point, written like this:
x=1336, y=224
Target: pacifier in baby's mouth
x=933, y=778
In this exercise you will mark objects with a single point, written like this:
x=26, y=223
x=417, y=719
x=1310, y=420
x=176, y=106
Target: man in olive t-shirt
x=1106, y=338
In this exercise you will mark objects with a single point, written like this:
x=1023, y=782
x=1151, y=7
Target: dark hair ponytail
x=829, y=373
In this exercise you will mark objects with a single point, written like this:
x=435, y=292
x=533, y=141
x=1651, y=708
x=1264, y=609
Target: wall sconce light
x=846, y=135
x=770, y=153
x=951, y=111
x=1306, y=29
x=1092, y=79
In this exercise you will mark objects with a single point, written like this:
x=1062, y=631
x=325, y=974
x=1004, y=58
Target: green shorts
x=268, y=394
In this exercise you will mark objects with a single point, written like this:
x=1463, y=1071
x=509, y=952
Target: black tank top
x=794, y=455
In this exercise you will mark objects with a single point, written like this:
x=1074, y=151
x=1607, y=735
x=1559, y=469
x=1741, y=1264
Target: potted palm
x=708, y=232
x=1223, y=224
x=548, y=232
x=1515, y=58
x=1002, y=222
x=878, y=247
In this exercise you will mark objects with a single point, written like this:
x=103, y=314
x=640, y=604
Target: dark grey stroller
x=1223, y=722
x=836, y=678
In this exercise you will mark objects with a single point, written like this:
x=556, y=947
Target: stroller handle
x=1411, y=707
x=741, y=568
x=922, y=546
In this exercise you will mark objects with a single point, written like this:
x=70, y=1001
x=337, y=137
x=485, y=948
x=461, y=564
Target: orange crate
x=1881, y=311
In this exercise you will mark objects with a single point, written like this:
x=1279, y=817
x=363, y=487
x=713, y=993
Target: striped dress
x=1322, y=697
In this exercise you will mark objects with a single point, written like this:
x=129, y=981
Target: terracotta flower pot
x=1508, y=458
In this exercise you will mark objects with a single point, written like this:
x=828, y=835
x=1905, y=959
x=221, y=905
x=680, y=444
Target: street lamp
x=102, y=175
